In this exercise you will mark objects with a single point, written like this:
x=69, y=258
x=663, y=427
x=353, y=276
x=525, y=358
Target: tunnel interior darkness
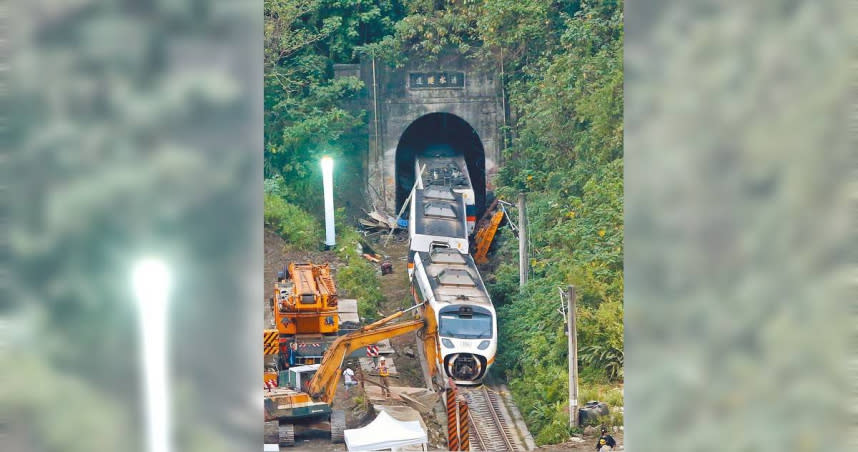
x=440, y=130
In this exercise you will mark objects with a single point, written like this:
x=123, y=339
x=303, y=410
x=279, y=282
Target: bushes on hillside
x=299, y=229
x=358, y=279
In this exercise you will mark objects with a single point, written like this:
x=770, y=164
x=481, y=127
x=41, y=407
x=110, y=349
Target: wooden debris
x=378, y=220
x=414, y=403
x=371, y=258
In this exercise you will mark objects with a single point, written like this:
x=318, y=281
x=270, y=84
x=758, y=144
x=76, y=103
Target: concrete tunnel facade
x=446, y=101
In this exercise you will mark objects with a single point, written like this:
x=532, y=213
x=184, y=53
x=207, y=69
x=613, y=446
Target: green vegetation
x=563, y=61
x=358, y=279
x=297, y=227
x=304, y=114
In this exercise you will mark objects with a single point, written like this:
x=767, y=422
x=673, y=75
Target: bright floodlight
x=328, y=182
x=151, y=281
x=327, y=164
x=151, y=285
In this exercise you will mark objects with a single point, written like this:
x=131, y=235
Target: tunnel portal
x=448, y=101
x=440, y=132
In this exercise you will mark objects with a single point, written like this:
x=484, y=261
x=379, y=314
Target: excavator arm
x=324, y=383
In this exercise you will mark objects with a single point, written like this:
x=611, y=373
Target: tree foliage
x=304, y=113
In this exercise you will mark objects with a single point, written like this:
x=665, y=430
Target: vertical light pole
x=151, y=286
x=573, y=358
x=328, y=182
x=523, y=258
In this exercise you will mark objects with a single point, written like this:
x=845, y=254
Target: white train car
x=451, y=172
x=448, y=281
x=437, y=220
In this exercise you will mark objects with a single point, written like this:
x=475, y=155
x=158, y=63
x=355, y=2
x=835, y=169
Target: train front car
x=449, y=171
x=452, y=287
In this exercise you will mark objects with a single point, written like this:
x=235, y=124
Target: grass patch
x=358, y=278
x=298, y=228
x=612, y=395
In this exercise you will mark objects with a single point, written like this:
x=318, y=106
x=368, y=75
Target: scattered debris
x=385, y=348
x=348, y=312
x=413, y=403
x=378, y=220
x=371, y=258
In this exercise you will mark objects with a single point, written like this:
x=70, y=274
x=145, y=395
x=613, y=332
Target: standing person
x=349, y=379
x=293, y=353
x=384, y=372
x=372, y=352
x=606, y=442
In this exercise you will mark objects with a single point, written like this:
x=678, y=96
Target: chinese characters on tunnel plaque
x=423, y=80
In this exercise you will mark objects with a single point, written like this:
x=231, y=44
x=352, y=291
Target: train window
x=476, y=325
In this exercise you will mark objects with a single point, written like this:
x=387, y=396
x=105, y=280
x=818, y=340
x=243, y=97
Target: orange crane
x=486, y=230
x=305, y=311
x=309, y=400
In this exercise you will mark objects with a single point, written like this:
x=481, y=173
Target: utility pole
x=572, y=333
x=522, y=241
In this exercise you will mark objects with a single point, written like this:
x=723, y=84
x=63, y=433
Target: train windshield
x=472, y=325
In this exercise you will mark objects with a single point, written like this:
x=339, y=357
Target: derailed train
x=442, y=272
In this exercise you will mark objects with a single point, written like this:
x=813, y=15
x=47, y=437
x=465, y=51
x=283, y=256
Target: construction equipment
x=487, y=227
x=306, y=402
x=305, y=312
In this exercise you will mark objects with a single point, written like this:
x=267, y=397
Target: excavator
x=306, y=403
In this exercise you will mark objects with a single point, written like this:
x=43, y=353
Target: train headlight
x=484, y=345
x=447, y=343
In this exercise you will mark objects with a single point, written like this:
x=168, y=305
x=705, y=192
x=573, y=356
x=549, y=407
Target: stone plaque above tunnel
x=448, y=101
x=431, y=80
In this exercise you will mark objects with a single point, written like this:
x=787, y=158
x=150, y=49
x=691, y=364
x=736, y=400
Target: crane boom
x=323, y=385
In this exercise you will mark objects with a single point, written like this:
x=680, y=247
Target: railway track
x=490, y=430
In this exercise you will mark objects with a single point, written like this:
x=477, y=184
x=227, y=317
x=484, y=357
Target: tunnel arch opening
x=437, y=131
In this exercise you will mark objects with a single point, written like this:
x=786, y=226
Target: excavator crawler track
x=338, y=426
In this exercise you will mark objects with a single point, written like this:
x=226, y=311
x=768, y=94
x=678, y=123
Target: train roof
x=439, y=212
x=454, y=278
x=451, y=171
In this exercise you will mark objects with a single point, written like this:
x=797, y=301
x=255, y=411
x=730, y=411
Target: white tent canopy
x=385, y=432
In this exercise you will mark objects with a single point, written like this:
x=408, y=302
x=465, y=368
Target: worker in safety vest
x=372, y=352
x=384, y=372
x=606, y=442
